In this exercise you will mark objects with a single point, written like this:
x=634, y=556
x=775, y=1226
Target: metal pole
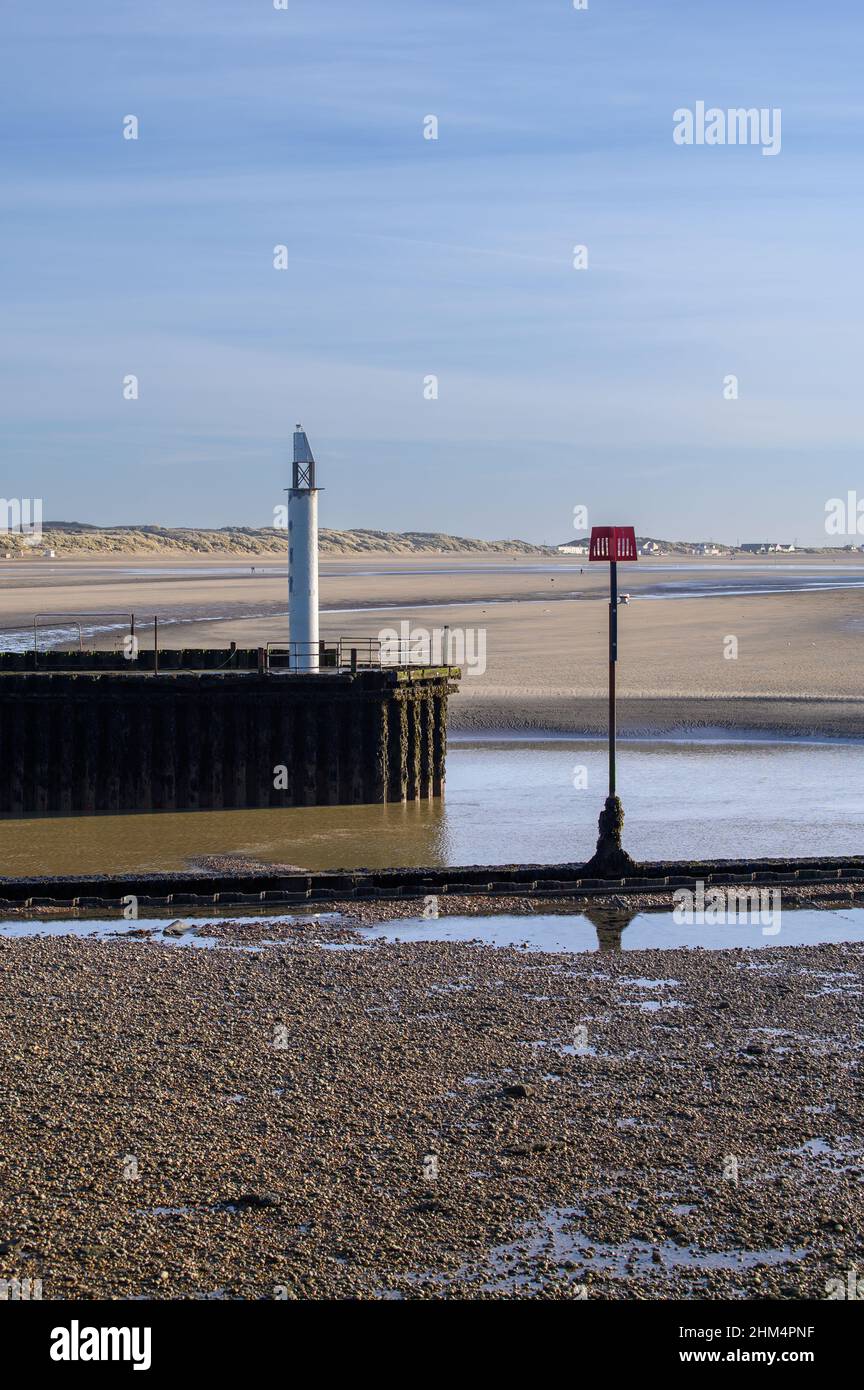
x=155, y=646
x=613, y=657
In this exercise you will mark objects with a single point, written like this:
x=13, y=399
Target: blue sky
x=409, y=257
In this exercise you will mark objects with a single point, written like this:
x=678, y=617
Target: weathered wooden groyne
x=213, y=730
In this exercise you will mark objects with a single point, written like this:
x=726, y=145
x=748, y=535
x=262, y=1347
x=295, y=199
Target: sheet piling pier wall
x=112, y=736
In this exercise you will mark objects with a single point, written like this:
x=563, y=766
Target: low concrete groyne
x=264, y=888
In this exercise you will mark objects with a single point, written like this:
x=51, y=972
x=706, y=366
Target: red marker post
x=611, y=545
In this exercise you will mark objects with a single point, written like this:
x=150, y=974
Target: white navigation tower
x=303, y=557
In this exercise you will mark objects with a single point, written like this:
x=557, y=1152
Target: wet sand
x=799, y=666
x=673, y=715
x=192, y=1123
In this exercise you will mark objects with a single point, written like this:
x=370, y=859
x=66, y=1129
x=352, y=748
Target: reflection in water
x=645, y=931
x=609, y=923
x=559, y=930
x=506, y=803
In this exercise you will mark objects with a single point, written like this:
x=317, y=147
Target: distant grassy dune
x=72, y=538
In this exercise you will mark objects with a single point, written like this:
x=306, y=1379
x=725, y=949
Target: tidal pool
x=596, y=929
x=607, y=929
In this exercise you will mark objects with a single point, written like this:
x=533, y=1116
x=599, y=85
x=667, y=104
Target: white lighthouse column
x=303, y=558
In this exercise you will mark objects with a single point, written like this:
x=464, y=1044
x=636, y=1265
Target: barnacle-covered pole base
x=610, y=859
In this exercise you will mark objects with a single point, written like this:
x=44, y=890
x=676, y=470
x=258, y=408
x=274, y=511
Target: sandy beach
x=795, y=665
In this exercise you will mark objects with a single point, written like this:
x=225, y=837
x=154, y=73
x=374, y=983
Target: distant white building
x=573, y=548
x=768, y=547
x=707, y=548
x=650, y=548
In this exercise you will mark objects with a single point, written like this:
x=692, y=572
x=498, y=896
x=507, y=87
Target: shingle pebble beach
x=327, y=1117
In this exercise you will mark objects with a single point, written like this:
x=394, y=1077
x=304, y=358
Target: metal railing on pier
x=58, y=639
x=343, y=654
x=328, y=654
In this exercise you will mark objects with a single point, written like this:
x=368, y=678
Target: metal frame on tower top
x=303, y=476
